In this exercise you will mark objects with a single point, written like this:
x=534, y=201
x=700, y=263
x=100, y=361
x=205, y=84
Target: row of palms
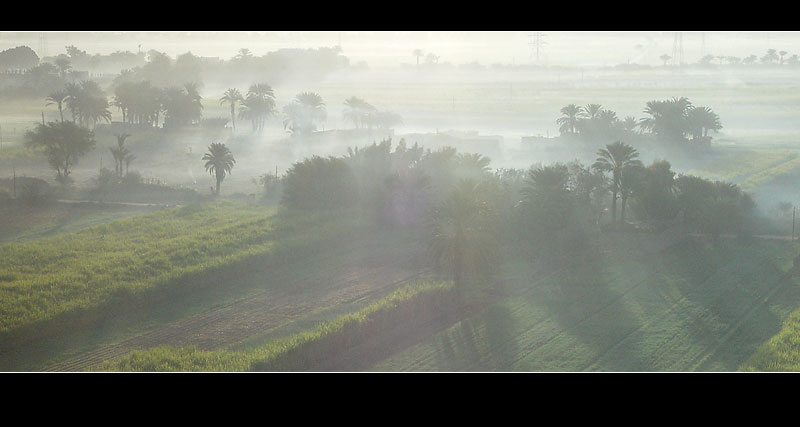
x=671, y=119
x=772, y=56
x=302, y=115
x=364, y=115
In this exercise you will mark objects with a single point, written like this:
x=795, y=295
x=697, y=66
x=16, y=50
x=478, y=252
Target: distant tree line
x=672, y=120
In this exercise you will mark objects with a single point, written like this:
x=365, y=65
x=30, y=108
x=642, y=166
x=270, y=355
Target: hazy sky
x=393, y=48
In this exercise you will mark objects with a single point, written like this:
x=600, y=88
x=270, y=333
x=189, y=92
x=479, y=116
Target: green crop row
x=49, y=280
x=308, y=350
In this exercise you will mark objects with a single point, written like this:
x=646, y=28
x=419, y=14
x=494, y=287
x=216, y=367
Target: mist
x=398, y=201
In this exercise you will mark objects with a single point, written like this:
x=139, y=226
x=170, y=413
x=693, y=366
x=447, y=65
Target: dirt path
x=229, y=324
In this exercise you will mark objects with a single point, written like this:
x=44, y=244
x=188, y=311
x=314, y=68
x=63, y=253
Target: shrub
x=320, y=183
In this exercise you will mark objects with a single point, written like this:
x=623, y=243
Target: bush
x=320, y=183
x=34, y=192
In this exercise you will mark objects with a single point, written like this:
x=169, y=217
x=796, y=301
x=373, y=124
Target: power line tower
x=42, y=45
x=536, y=43
x=703, y=45
x=677, y=49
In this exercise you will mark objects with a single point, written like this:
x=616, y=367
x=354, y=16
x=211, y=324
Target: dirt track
x=367, y=275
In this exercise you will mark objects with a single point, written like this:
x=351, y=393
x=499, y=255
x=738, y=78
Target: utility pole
x=42, y=117
x=276, y=171
x=793, y=214
x=14, y=180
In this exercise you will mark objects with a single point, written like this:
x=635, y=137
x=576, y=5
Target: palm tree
x=461, y=235
x=473, y=165
x=592, y=110
x=120, y=153
x=629, y=123
x=359, y=112
x=58, y=97
x=665, y=58
x=73, y=96
x=232, y=96
x=128, y=159
x=701, y=120
x=419, y=54
x=219, y=162
x=615, y=158
x=258, y=105
x=304, y=113
x=573, y=114
x=782, y=54
x=668, y=119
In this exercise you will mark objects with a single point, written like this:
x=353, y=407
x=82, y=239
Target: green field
x=52, y=278
x=698, y=306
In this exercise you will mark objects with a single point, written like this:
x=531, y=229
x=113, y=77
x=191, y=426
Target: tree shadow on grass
x=736, y=319
x=591, y=306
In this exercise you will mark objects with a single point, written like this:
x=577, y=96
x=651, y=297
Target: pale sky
x=388, y=49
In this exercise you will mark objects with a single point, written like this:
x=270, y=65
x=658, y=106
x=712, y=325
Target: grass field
x=695, y=307
x=22, y=225
x=48, y=279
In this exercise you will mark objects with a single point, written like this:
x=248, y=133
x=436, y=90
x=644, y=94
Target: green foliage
x=176, y=248
x=63, y=143
x=462, y=235
x=653, y=192
x=219, y=162
x=320, y=183
x=714, y=207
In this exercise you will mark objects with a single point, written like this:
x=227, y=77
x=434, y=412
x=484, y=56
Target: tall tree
x=418, y=53
x=58, y=98
x=219, y=162
x=572, y=115
x=119, y=153
x=63, y=143
x=232, y=96
x=615, y=158
x=461, y=234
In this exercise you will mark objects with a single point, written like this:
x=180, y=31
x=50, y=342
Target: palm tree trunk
x=622, y=213
x=614, y=207
x=219, y=180
x=233, y=118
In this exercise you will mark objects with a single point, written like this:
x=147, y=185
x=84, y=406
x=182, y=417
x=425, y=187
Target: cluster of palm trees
x=257, y=106
x=85, y=100
x=301, y=116
x=141, y=103
x=364, y=115
x=304, y=113
x=772, y=56
x=618, y=159
x=671, y=119
x=675, y=118
x=122, y=156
